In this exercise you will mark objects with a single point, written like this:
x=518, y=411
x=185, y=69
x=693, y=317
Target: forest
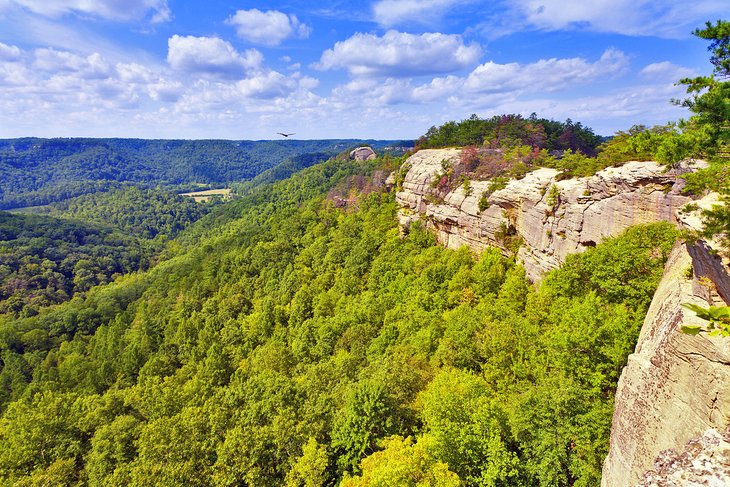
x=292, y=336
x=293, y=339
x=41, y=171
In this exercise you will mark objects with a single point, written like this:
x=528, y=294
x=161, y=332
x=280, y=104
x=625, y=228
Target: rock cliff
x=551, y=217
x=674, y=394
x=675, y=386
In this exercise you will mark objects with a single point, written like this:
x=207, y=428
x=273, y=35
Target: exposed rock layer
x=552, y=223
x=363, y=154
x=704, y=461
x=675, y=386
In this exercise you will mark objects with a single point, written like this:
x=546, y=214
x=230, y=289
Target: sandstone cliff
x=675, y=386
x=675, y=390
x=552, y=223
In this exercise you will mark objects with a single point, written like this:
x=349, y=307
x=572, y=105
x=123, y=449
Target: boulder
x=363, y=154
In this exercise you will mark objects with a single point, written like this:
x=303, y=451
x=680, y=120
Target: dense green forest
x=290, y=339
x=510, y=130
x=40, y=171
x=45, y=260
x=145, y=213
x=293, y=337
x=86, y=241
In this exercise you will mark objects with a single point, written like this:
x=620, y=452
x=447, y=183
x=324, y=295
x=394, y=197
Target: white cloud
x=9, y=53
x=88, y=95
x=55, y=62
x=616, y=110
x=397, y=54
x=545, y=74
x=268, y=85
x=667, y=18
x=210, y=56
x=125, y=10
x=666, y=71
x=394, y=12
x=488, y=81
x=269, y=28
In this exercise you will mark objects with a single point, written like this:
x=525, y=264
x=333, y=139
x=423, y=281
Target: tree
x=310, y=469
x=710, y=102
x=710, y=96
x=403, y=463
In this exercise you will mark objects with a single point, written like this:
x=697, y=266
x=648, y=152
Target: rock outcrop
x=674, y=394
x=675, y=386
x=551, y=217
x=363, y=154
x=704, y=461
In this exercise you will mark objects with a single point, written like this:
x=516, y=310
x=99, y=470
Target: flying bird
x=285, y=135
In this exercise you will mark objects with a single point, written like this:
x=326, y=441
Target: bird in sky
x=285, y=135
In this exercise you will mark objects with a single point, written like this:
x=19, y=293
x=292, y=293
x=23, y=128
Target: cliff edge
x=673, y=398
x=549, y=217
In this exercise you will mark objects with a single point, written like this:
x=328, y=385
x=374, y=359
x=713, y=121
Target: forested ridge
x=37, y=171
x=86, y=241
x=291, y=341
x=293, y=337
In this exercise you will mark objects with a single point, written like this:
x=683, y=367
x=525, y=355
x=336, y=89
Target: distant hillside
x=37, y=171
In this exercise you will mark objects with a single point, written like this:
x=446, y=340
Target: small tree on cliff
x=709, y=98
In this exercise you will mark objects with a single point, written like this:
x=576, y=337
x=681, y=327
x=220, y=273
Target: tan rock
x=363, y=154
x=675, y=386
x=587, y=210
x=704, y=461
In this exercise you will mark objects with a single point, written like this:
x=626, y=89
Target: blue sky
x=384, y=69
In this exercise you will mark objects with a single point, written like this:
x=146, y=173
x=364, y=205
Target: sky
x=382, y=69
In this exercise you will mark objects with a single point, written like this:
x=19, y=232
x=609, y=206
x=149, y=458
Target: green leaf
x=694, y=307
x=719, y=312
x=691, y=329
x=701, y=312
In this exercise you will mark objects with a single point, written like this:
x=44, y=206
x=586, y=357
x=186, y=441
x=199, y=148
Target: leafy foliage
x=505, y=131
x=288, y=340
x=45, y=260
x=717, y=317
x=37, y=171
x=145, y=213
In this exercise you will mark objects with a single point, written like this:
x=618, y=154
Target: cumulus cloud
x=488, y=81
x=157, y=10
x=398, y=54
x=268, y=28
x=9, y=53
x=83, y=93
x=666, y=71
x=90, y=67
x=210, y=56
x=393, y=12
x=545, y=74
x=668, y=18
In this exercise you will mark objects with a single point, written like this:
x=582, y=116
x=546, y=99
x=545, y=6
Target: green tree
x=403, y=463
x=310, y=469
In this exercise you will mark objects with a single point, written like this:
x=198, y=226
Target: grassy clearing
x=208, y=194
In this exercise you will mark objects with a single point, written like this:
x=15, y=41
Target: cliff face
x=675, y=386
x=552, y=218
x=672, y=405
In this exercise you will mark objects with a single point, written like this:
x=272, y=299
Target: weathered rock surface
x=705, y=461
x=552, y=223
x=363, y=154
x=675, y=386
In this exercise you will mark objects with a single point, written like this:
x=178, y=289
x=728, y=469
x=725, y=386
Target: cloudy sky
x=382, y=69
